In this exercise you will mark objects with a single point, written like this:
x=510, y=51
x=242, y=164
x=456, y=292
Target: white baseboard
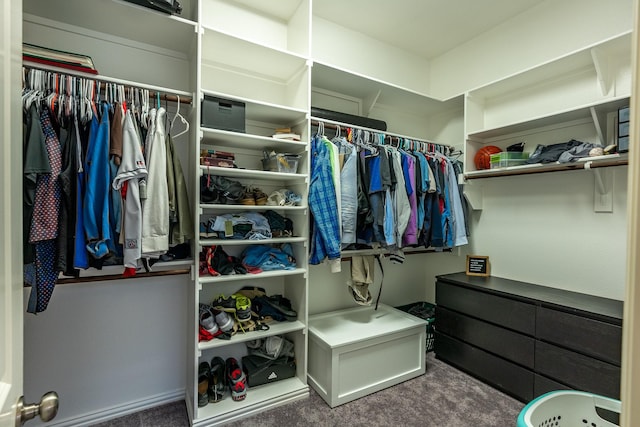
x=117, y=411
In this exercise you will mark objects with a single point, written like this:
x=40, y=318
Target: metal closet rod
x=110, y=277
x=332, y=124
x=166, y=94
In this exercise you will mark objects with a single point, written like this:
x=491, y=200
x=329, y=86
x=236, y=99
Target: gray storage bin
x=223, y=114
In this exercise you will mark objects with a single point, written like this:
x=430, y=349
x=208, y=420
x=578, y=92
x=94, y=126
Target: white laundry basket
x=567, y=408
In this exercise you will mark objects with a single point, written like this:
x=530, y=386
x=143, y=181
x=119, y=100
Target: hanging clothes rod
x=110, y=277
x=332, y=124
x=166, y=94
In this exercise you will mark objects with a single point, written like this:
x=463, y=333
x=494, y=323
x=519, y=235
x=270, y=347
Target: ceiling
x=427, y=28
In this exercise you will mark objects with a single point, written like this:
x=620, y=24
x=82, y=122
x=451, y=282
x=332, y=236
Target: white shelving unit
x=255, y=53
x=574, y=97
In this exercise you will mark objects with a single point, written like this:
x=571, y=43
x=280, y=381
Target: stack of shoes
x=217, y=387
x=236, y=379
x=254, y=196
x=204, y=372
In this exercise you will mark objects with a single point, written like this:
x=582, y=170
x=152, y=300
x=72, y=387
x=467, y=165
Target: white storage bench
x=358, y=351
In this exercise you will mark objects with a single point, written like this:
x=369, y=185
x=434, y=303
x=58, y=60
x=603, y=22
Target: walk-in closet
x=244, y=186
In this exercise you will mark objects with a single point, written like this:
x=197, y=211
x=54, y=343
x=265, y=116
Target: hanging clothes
x=325, y=235
x=132, y=169
x=41, y=274
x=98, y=190
x=155, y=208
x=180, y=219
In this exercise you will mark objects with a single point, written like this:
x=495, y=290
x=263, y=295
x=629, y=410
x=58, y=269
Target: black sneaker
x=203, y=384
x=217, y=380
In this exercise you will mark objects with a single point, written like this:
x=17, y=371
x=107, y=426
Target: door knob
x=46, y=409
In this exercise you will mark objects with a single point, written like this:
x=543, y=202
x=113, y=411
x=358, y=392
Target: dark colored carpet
x=443, y=397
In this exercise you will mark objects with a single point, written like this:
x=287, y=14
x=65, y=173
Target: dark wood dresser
x=526, y=339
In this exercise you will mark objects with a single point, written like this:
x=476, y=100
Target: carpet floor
x=442, y=397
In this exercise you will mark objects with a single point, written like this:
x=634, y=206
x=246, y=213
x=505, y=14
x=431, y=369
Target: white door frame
x=11, y=281
x=630, y=381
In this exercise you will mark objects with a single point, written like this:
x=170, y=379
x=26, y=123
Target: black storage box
x=349, y=119
x=260, y=370
x=223, y=114
x=168, y=6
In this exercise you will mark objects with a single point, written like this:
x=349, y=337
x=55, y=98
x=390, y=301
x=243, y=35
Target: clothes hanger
x=182, y=119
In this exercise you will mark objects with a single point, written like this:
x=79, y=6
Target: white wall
x=550, y=30
x=108, y=347
x=543, y=229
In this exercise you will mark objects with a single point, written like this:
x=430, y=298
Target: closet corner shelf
x=584, y=163
x=258, y=276
x=251, y=174
x=275, y=328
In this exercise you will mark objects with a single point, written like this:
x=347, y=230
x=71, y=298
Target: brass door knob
x=47, y=409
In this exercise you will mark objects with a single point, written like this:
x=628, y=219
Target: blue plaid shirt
x=325, y=237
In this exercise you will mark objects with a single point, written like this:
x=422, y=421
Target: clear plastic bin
x=287, y=163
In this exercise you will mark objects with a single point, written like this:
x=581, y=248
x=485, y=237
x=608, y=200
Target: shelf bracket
x=602, y=188
x=597, y=122
x=601, y=63
x=473, y=193
x=370, y=102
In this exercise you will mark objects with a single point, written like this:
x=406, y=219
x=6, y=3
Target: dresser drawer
x=577, y=370
x=505, y=343
x=588, y=336
x=542, y=385
x=513, y=314
x=502, y=374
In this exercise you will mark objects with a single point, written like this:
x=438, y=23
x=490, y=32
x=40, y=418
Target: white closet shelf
x=259, y=276
x=584, y=163
x=328, y=77
x=261, y=111
x=235, y=208
x=120, y=19
x=229, y=52
x=275, y=328
x=236, y=140
x=251, y=174
x=552, y=119
x=239, y=242
x=616, y=46
x=258, y=399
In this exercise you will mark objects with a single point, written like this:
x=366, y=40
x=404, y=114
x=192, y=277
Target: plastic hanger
x=182, y=119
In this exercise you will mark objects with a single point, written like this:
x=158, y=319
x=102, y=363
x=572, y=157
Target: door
x=13, y=411
x=11, y=308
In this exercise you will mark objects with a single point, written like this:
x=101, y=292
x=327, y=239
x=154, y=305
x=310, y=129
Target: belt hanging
x=378, y=257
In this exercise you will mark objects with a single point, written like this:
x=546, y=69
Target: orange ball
x=482, y=159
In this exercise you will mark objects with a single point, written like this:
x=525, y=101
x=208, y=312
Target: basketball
x=482, y=159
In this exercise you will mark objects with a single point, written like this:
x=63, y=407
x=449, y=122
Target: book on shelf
x=58, y=58
x=287, y=136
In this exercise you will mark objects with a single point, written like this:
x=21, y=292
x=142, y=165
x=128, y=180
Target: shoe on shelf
x=224, y=321
x=223, y=303
x=203, y=384
x=260, y=197
x=236, y=379
x=207, y=321
x=248, y=198
x=217, y=380
x=243, y=307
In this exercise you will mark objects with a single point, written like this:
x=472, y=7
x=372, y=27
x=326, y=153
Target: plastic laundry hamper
x=567, y=408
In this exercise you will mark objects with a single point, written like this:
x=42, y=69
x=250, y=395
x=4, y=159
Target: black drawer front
x=516, y=315
x=578, y=371
x=511, y=345
x=502, y=374
x=592, y=337
x=542, y=385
